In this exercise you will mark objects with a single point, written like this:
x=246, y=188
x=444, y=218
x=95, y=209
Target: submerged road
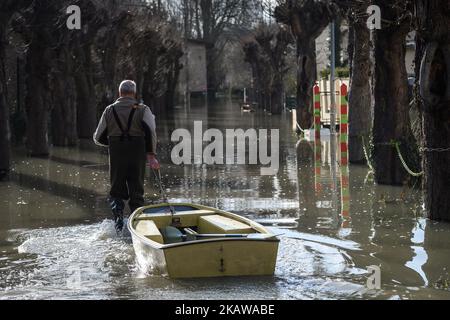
x=56, y=240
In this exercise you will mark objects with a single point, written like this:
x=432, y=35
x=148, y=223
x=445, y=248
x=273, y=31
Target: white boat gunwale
x=156, y=245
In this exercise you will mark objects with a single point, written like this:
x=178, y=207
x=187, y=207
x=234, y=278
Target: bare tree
x=72, y=75
x=7, y=9
x=307, y=18
x=360, y=113
x=216, y=16
x=37, y=27
x=433, y=96
x=266, y=52
x=390, y=101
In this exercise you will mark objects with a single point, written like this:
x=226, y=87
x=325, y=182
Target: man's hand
x=153, y=163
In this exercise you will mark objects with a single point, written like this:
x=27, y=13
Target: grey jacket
x=142, y=125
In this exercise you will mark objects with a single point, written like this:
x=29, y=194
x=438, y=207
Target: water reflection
x=334, y=223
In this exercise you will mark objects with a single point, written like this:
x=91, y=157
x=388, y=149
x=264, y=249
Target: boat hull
x=149, y=259
x=222, y=257
x=219, y=258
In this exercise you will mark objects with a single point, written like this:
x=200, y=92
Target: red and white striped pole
x=318, y=165
x=344, y=125
x=345, y=183
x=345, y=196
x=317, y=110
x=317, y=142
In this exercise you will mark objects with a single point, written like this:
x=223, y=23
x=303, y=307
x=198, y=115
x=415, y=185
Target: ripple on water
x=77, y=260
x=91, y=261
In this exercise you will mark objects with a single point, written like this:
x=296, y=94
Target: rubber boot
x=118, y=220
x=117, y=207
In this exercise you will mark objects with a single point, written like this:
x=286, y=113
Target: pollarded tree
x=5, y=147
x=360, y=113
x=391, y=123
x=254, y=57
x=56, y=60
x=95, y=15
x=73, y=98
x=307, y=19
x=215, y=17
x=275, y=46
x=122, y=51
x=36, y=25
x=266, y=52
x=433, y=69
x=7, y=9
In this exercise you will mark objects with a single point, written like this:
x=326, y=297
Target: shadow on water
x=89, y=198
x=333, y=222
x=80, y=163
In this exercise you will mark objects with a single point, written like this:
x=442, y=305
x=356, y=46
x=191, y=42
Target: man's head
x=127, y=89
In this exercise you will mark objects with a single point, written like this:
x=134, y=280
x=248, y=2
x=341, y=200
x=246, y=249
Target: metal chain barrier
x=426, y=149
x=402, y=160
x=414, y=174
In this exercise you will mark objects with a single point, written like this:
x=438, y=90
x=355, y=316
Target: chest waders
x=127, y=158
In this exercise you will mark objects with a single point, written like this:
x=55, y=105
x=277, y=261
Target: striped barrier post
x=317, y=110
x=345, y=197
x=344, y=126
x=318, y=165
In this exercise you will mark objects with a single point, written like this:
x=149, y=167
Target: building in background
x=192, y=79
x=237, y=72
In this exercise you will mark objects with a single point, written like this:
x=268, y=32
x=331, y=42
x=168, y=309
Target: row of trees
x=214, y=22
x=70, y=76
x=379, y=103
x=266, y=50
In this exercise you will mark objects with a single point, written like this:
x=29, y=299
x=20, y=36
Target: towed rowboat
x=200, y=241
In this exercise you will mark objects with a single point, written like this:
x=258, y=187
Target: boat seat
x=187, y=218
x=148, y=229
x=216, y=224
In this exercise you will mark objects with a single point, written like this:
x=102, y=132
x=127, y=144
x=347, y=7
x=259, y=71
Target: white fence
x=325, y=99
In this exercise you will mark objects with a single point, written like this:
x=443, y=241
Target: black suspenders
x=125, y=133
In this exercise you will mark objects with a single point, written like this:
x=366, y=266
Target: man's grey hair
x=127, y=87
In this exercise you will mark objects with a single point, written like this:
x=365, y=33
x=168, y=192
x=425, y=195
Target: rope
x=303, y=130
x=414, y=174
x=163, y=192
x=366, y=155
x=300, y=128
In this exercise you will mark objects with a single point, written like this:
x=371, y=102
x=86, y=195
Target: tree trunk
x=306, y=77
x=433, y=36
x=351, y=46
x=211, y=72
x=197, y=20
x=64, y=99
x=172, y=80
x=64, y=114
x=36, y=98
x=208, y=36
x=390, y=103
x=305, y=178
x=86, y=102
x=307, y=20
x=360, y=114
x=277, y=96
x=5, y=143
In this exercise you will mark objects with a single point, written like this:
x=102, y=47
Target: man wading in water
x=129, y=130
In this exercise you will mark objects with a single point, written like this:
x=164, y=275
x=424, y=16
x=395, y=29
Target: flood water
x=55, y=227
